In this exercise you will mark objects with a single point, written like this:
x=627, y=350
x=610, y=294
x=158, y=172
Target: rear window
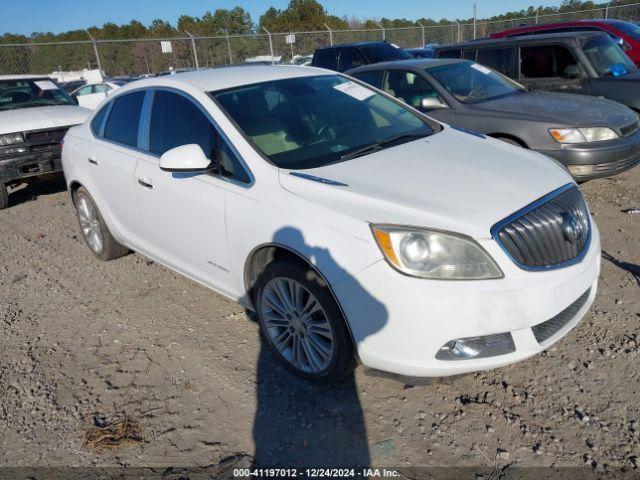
x=325, y=58
x=124, y=119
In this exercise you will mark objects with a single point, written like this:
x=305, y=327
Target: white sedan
x=90, y=96
x=355, y=227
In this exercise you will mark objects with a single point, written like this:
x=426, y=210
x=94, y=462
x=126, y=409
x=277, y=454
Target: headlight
x=10, y=139
x=434, y=254
x=582, y=135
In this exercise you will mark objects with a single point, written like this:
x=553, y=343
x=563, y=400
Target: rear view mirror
x=186, y=158
x=432, y=103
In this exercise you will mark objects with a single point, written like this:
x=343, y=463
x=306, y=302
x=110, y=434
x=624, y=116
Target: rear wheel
x=4, y=196
x=302, y=324
x=94, y=230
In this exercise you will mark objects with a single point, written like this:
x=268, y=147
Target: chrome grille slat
x=539, y=236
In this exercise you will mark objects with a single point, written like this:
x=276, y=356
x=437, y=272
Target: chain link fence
x=151, y=56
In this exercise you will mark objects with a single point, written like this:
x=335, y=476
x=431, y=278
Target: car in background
x=302, y=60
x=429, y=51
x=72, y=85
x=587, y=63
x=35, y=114
x=591, y=137
x=90, y=96
x=345, y=57
x=354, y=226
x=626, y=34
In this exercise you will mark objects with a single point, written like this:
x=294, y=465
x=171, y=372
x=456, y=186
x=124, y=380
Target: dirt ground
x=85, y=343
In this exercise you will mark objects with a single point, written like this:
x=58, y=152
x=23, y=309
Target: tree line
x=237, y=23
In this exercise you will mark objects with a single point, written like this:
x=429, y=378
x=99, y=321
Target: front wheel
x=302, y=324
x=94, y=230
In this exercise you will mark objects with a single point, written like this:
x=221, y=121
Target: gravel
x=85, y=343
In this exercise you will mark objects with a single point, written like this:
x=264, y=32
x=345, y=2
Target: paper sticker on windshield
x=354, y=90
x=480, y=68
x=46, y=85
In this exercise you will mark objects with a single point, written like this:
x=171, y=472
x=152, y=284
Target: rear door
x=552, y=67
x=112, y=163
x=184, y=213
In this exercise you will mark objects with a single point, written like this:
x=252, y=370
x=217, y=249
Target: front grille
x=545, y=330
x=550, y=233
x=50, y=136
x=630, y=128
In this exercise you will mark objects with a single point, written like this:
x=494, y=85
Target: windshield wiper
x=381, y=144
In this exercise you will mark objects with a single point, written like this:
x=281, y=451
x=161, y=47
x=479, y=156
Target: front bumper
x=30, y=165
x=400, y=323
x=599, y=159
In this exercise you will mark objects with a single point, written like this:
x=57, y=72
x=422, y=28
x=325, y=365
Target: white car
x=90, y=96
x=34, y=116
x=355, y=227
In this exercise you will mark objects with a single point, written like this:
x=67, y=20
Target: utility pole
x=475, y=17
x=423, y=38
x=226, y=33
x=384, y=33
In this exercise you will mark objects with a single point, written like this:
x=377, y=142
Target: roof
x=211, y=79
x=23, y=77
x=415, y=63
x=523, y=38
x=543, y=26
x=356, y=44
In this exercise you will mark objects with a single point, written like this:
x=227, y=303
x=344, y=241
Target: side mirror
x=186, y=158
x=432, y=103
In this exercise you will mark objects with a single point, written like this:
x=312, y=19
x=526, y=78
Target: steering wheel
x=326, y=126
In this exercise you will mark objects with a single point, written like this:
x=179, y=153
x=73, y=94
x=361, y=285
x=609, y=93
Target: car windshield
x=25, y=93
x=606, y=57
x=470, y=82
x=631, y=29
x=308, y=122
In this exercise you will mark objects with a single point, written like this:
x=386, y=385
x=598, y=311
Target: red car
x=625, y=33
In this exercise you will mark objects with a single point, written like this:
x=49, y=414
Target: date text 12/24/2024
x=315, y=473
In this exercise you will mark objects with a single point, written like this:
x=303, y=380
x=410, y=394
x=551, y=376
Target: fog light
x=580, y=170
x=12, y=150
x=477, y=347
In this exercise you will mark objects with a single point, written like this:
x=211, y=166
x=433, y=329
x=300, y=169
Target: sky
x=60, y=15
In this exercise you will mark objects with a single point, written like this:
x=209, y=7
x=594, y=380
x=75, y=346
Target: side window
x=469, y=54
x=350, y=58
x=124, y=119
x=176, y=121
x=98, y=120
x=547, y=61
x=85, y=90
x=500, y=59
x=455, y=53
x=102, y=88
x=409, y=87
x=325, y=58
x=372, y=78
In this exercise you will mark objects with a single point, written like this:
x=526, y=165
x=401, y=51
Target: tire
x=292, y=326
x=511, y=141
x=4, y=196
x=94, y=231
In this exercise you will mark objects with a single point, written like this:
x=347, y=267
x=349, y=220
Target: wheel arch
x=74, y=185
x=499, y=135
x=264, y=254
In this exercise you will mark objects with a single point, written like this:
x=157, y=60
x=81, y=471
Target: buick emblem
x=571, y=227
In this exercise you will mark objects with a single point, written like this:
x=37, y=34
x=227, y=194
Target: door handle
x=146, y=183
x=93, y=161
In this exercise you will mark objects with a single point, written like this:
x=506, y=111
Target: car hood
x=452, y=181
x=560, y=109
x=37, y=118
